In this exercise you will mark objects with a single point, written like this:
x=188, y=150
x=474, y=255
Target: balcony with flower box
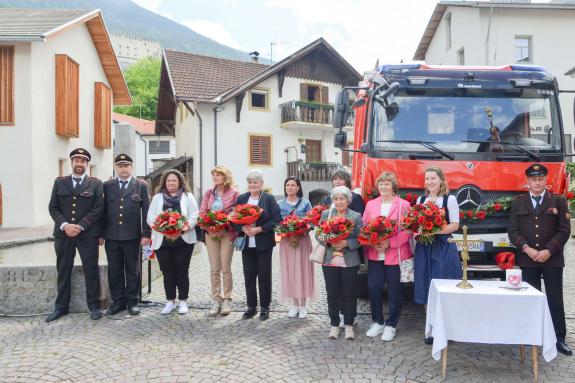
x=306, y=115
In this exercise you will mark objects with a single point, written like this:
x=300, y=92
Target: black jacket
x=269, y=219
x=125, y=211
x=84, y=207
x=547, y=228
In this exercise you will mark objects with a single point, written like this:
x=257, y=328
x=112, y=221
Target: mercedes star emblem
x=469, y=197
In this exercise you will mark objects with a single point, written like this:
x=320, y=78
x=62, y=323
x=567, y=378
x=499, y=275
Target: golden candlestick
x=464, y=284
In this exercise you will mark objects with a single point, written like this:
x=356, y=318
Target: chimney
x=254, y=56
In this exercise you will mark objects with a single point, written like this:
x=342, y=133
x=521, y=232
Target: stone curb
x=24, y=241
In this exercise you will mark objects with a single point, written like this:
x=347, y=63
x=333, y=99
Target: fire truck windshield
x=476, y=122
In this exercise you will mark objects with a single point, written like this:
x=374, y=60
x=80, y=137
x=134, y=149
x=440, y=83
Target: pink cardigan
x=228, y=200
x=399, y=243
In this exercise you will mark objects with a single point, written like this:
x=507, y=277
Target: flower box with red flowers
x=213, y=221
x=376, y=231
x=334, y=229
x=314, y=215
x=245, y=214
x=169, y=223
x=424, y=221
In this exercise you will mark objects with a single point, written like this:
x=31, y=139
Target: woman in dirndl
x=439, y=260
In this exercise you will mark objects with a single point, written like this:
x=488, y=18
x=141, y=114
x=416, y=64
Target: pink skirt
x=297, y=272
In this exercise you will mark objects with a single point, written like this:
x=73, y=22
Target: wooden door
x=313, y=150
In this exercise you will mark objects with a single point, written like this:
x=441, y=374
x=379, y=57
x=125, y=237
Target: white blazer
x=189, y=209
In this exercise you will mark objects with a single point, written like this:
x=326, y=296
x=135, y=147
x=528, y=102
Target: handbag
x=317, y=254
x=240, y=243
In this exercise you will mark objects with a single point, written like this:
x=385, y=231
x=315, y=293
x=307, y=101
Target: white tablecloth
x=490, y=314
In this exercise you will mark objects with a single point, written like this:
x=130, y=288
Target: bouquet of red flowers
x=424, y=221
x=213, y=221
x=169, y=223
x=245, y=214
x=314, y=215
x=372, y=193
x=334, y=229
x=376, y=231
x=291, y=227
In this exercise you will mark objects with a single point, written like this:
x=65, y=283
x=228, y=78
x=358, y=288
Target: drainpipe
x=487, y=37
x=201, y=152
x=145, y=153
x=218, y=108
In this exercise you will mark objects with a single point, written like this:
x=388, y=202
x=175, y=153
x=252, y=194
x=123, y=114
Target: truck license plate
x=473, y=246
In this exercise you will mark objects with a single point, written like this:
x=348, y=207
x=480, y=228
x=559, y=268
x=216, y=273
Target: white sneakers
x=226, y=308
x=215, y=309
x=388, y=333
x=168, y=307
x=183, y=307
x=334, y=332
x=375, y=329
x=295, y=310
x=292, y=312
x=349, y=335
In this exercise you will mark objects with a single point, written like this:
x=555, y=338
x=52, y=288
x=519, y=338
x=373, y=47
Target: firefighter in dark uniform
x=539, y=228
x=76, y=207
x=126, y=202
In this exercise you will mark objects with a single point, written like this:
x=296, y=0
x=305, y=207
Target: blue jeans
x=378, y=274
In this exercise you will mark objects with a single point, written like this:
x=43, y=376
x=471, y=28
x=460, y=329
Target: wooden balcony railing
x=313, y=171
x=305, y=111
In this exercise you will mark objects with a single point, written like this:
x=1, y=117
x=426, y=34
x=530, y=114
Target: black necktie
x=77, y=186
x=123, y=185
x=537, y=201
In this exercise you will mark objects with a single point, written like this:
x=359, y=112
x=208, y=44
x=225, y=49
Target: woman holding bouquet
x=440, y=259
x=383, y=257
x=174, y=251
x=297, y=272
x=258, y=246
x=220, y=198
x=341, y=264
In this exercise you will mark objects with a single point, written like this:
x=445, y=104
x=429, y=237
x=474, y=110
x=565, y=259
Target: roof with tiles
x=201, y=78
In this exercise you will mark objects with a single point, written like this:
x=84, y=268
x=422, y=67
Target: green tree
x=143, y=79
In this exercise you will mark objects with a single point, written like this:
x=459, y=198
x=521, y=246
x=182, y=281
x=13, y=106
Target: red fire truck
x=482, y=125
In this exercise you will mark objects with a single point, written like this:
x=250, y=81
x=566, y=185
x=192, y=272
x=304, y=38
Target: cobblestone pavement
x=193, y=347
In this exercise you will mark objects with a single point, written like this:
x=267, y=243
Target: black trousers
x=174, y=263
x=123, y=270
x=65, y=252
x=258, y=266
x=553, y=278
x=378, y=274
x=341, y=285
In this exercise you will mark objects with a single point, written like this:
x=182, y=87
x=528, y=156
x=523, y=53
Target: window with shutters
x=314, y=93
x=102, y=116
x=6, y=85
x=259, y=99
x=67, y=96
x=260, y=150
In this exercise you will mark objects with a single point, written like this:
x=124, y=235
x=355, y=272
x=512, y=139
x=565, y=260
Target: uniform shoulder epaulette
x=94, y=178
x=111, y=180
x=521, y=196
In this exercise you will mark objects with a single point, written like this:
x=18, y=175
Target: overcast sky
x=362, y=31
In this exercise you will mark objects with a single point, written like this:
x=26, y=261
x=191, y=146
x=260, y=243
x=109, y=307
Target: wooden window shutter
x=303, y=91
x=67, y=96
x=260, y=150
x=102, y=116
x=324, y=95
x=6, y=85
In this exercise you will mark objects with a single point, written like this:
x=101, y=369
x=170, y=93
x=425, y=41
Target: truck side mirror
x=341, y=109
x=340, y=140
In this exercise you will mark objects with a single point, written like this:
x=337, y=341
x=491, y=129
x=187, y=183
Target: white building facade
x=48, y=119
x=502, y=33
x=278, y=121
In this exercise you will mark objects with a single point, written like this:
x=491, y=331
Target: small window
x=260, y=150
x=63, y=167
x=6, y=85
x=461, y=57
x=160, y=147
x=448, y=31
x=259, y=99
x=93, y=172
x=523, y=49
